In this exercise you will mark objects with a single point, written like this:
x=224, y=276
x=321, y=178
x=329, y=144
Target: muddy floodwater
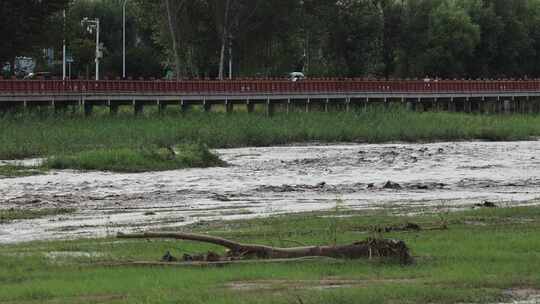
x=274, y=180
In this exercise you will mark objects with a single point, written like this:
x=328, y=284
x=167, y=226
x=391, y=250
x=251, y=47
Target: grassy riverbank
x=26, y=136
x=8, y=171
x=481, y=254
x=27, y=214
x=137, y=160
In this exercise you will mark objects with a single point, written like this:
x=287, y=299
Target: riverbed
x=276, y=180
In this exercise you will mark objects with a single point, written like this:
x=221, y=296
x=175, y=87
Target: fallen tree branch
x=370, y=248
x=218, y=263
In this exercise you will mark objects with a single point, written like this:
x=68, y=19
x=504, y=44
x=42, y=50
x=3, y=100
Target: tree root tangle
x=370, y=248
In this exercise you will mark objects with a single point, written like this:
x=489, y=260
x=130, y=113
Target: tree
x=21, y=25
x=393, y=21
x=232, y=19
x=143, y=56
x=354, y=45
x=173, y=8
x=452, y=39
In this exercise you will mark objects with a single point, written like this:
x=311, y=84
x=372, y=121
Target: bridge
x=313, y=94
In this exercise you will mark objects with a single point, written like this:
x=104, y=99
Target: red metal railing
x=264, y=86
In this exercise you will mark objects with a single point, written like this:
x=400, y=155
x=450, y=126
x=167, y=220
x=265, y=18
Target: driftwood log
x=370, y=248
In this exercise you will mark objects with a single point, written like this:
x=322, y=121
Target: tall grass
x=137, y=160
x=27, y=136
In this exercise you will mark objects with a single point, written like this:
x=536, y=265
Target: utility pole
x=64, y=49
x=93, y=24
x=98, y=55
x=230, y=57
x=124, y=40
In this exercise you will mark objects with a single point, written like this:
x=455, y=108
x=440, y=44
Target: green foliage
x=21, y=26
x=7, y=171
x=353, y=38
x=452, y=39
x=142, y=56
x=9, y=215
x=140, y=160
x=466, y=263
x=32, y=136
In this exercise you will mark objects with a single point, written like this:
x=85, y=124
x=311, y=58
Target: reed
x=33, y=136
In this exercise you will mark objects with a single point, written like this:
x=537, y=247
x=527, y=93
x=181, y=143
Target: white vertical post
x=124, y=40
x=97, y=49
x=230, y=57
x=64, y=49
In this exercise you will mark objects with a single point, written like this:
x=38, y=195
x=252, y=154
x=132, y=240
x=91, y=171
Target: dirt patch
x=328, y=283
x=523, y=295
x=56, y=255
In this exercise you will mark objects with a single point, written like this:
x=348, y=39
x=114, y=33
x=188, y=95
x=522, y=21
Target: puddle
x=276, y=180
x=55, y=255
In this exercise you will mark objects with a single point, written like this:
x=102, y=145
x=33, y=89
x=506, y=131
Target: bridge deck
x=349, y=91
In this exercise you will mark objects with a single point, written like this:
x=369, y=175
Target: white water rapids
x=274, y=180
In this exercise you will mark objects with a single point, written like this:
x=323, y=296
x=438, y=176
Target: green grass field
x=482, y=253
x=9, y=215
x=7, y=171
x=41, y=136
x=138, y=160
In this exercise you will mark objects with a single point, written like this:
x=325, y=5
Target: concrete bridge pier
x=162, y=107
x=434, y=105
x=507, y=106
x=348, y=104
x=386, y=104
x=419, y=105
x=410, y=106
x=7, y=107
x=482, y=105
x=425, y=104
x=229, y=106
x=493, y=105
x=59, y=107
x=184, y=107
x=88, y=108
x=308, y=105
x=467, y=105
x=206, y=106
x=288, y=106
x=500, y=105
x=326, y=104
x=535, y=104
x=527, y=105
x=250, y=107
x=270, y=108
x=138, y=107
x=452, y=105
x=113, y=108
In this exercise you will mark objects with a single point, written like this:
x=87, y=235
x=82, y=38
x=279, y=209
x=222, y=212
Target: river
x=276, y=180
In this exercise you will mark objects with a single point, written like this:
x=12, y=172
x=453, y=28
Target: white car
x=296, y=76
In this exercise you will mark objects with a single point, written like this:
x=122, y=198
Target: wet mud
x=275, y=180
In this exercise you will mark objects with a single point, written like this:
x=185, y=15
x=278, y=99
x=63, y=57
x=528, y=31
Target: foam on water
x=273, y=180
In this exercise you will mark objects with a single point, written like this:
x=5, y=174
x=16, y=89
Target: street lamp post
x=230, y=56
x=64, y=48
x=93, y=24
x=124, y=39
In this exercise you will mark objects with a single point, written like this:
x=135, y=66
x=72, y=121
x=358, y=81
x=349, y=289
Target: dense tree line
x=353, y=38
x=348, y=38
x=21, y=26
